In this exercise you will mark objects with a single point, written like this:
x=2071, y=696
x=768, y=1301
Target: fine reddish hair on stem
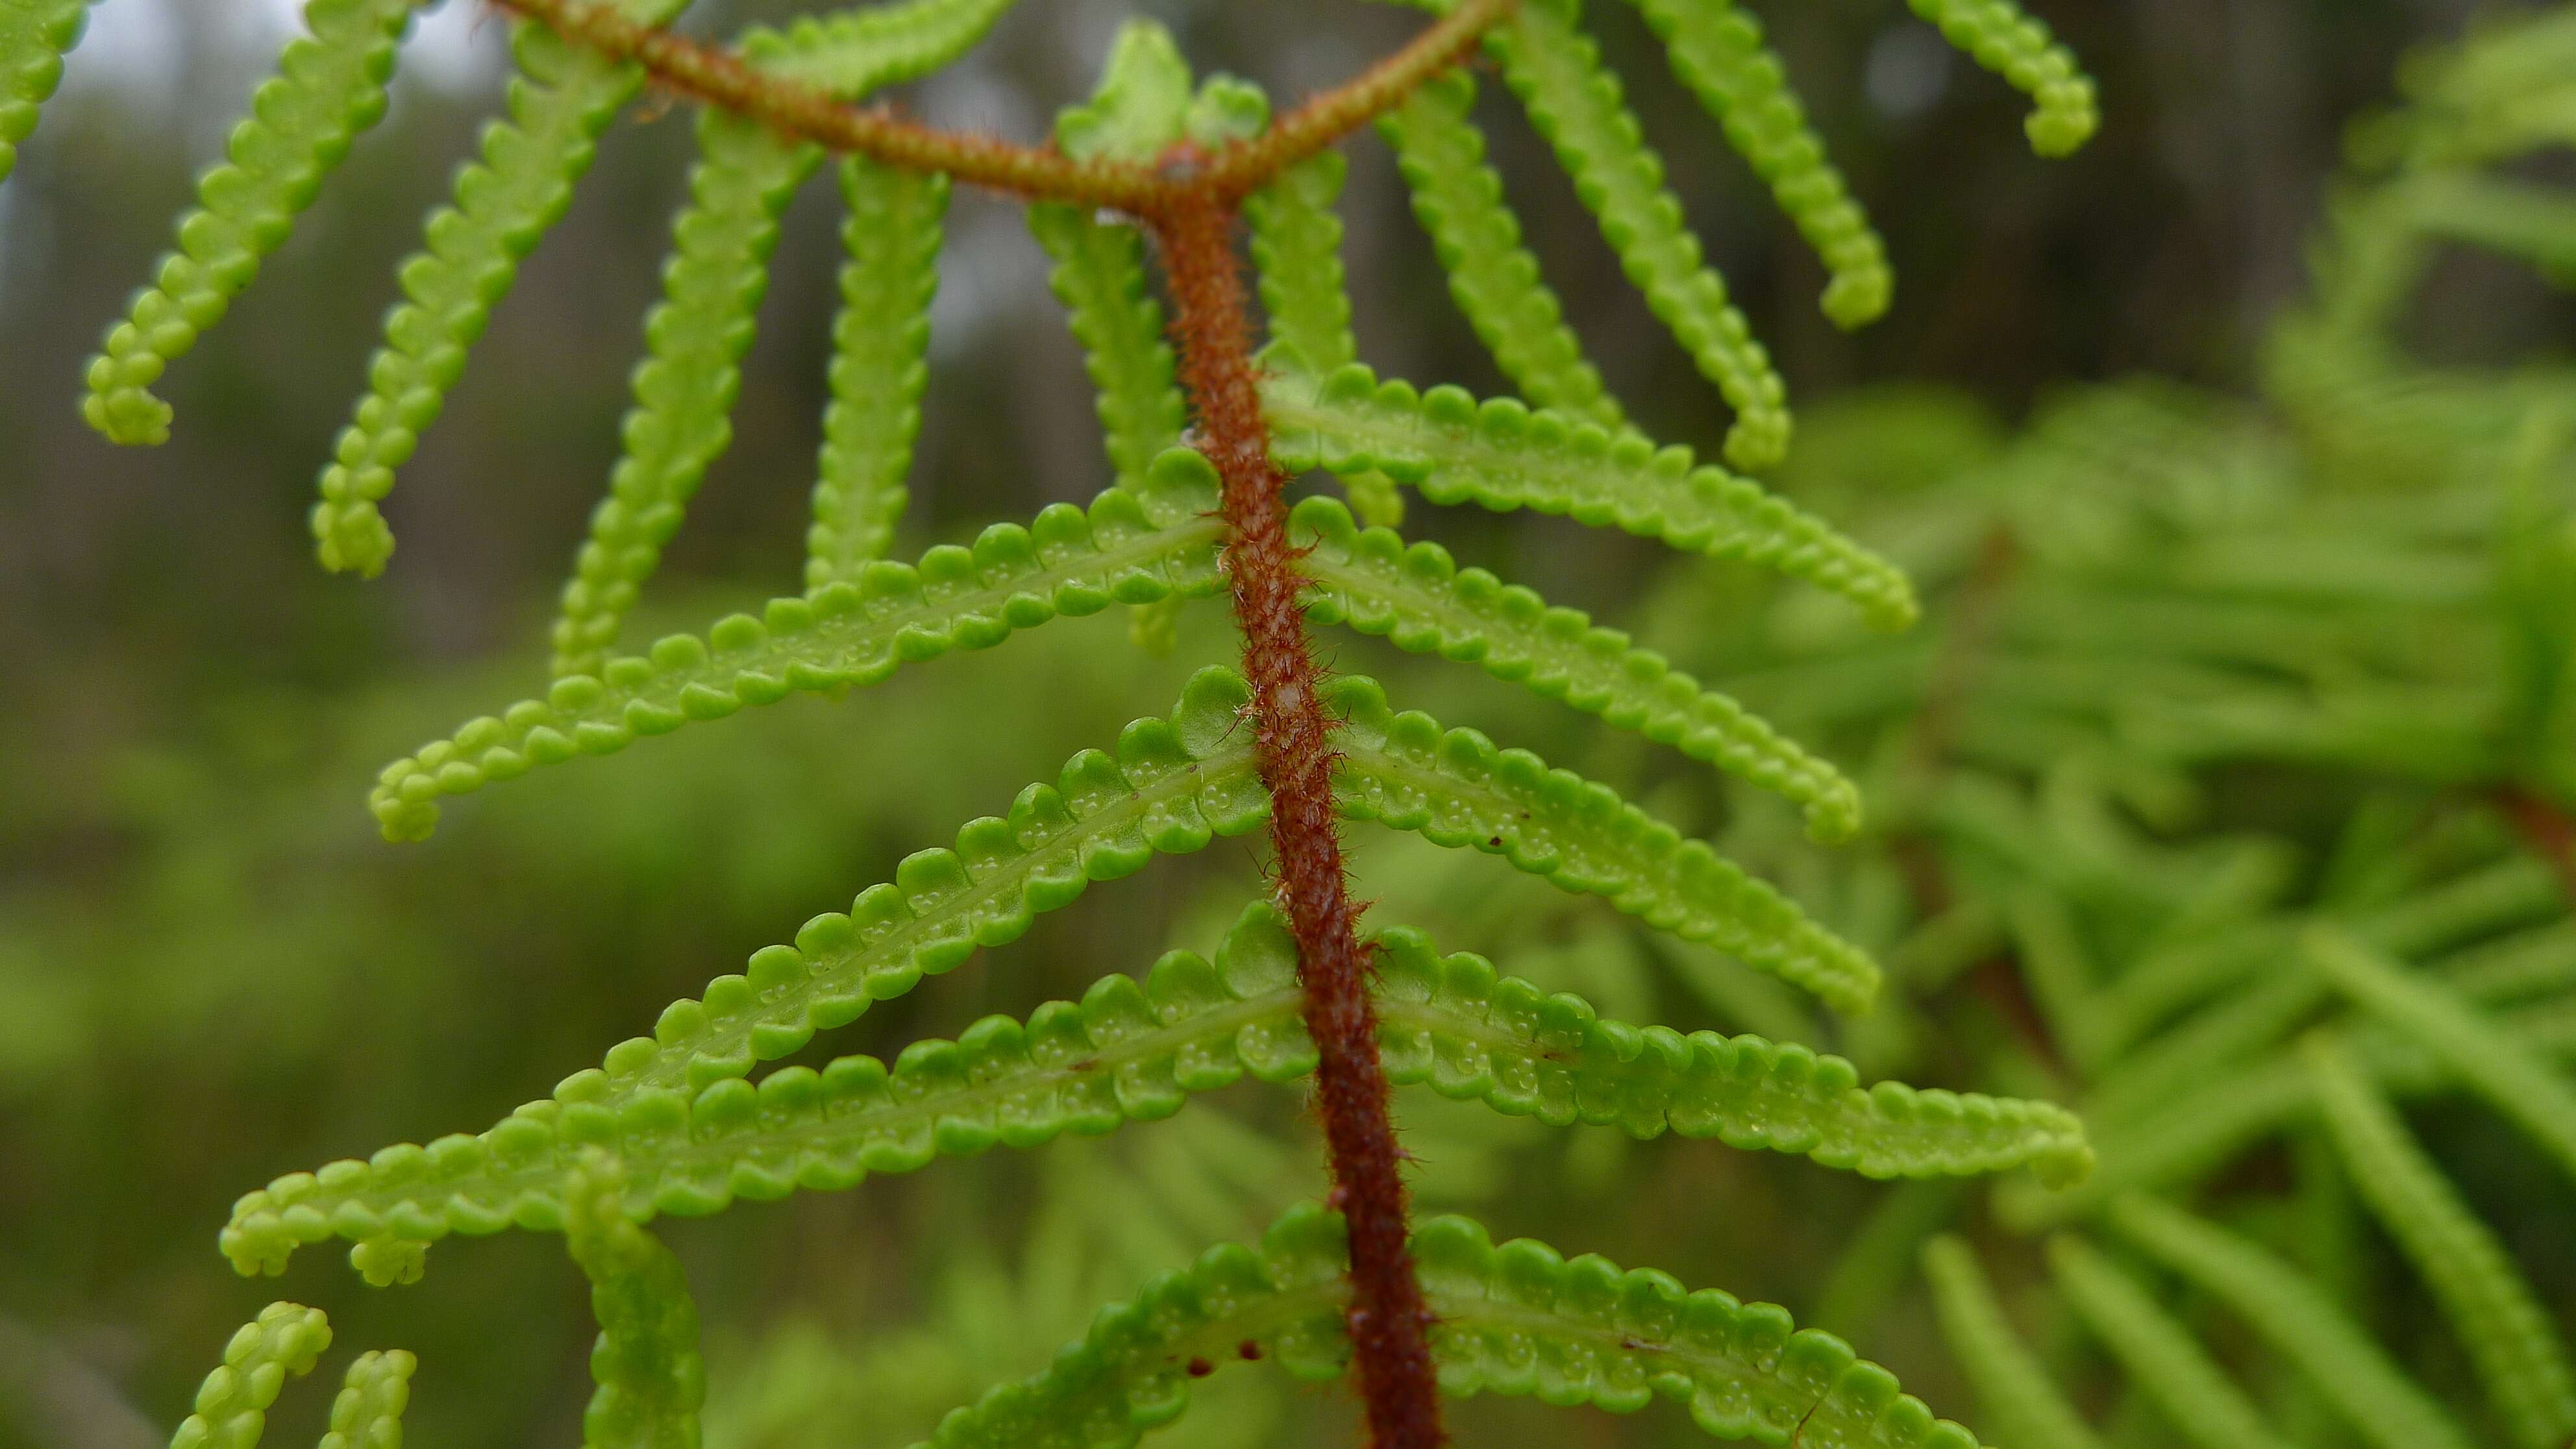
x=1190, y=202
x=1038, y=173
x=1388, y=1321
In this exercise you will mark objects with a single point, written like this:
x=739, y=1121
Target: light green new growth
x=368, y=1413
x=2493, y=1312
x=231, y=1410
x=2472, y=1044
x=2012, y=1388
x=1575, y=103
x=681, y=420
x=2158, y=1352
x=690, y=1146
x=1502, y=455
x=33, y=36
x=2009, y=42
x=1131, y=547
x=1717, y=51
x=1296, y=252
x=1515, y=1319
x=880, y=343
x=1458, y=198
x=1418, y=598
x=330, y=85
x=646, y=1363
x=2375, y=1396
x=560, y=102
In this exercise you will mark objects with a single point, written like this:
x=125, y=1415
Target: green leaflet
x=880, y=344
x=2158, y=1352
x=1099, y=275
x=1575, y=103
x=1297, y=252
x=1130, y=547
x=1140, y=108
x=329, y=87
x=560, y=102
x=1456, y=787
x=1419, y=598
x=685, y=390
x=1502, y=455
x=232, y=1405
x=1451, y=1022
x=2012, y=1388
x=2466, y=1040
x=681, y=420
x=1717, y=51
x=2373, y=1395
x=2012, y=44
x=2508, y=1334
x=368, y=1413
x=690, y=1146
x=1296, y=249
x=646, y=1363
x=851, y=52
x=1458, y=198
x=1514, y=1319
x=33, y=36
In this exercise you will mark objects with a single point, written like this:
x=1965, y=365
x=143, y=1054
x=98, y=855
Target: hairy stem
x=1040, y=173
x=1213, y=333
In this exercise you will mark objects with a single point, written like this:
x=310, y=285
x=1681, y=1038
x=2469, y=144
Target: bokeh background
x=212, y=971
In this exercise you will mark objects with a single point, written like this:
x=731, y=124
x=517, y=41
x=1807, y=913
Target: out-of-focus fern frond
x=2376, y=1397
x=2013, y=1388
x=2492, y=1310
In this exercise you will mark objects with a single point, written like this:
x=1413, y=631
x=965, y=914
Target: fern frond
x=1458, y=199
x=1130, y=547
x=330, y=86
x=562, y=99
x=1502, y=455
x=2012, y=44
x=232, y=1405
x=690, y=1144
x=1296, y=251
x=2492, y=1310
x=681, y=419
x=1418, y=598
x=1514, y=1319
x=880, y=346
x=1456, y=787
x=1717, y=50
x=2012, y=1388
x=2473, y=1045
x=651, y=1378
x=1575, y=102
x=2374, y=1395
x=368, y=1413
x=34, y=34
x=2158, y=1352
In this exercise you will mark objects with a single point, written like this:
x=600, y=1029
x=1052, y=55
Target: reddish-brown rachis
x=1191, y=209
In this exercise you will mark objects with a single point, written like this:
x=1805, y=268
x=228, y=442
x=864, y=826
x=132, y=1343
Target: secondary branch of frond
x=719, y=78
